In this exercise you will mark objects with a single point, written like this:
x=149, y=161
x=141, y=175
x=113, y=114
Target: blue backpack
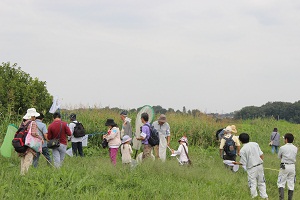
x=229, y=146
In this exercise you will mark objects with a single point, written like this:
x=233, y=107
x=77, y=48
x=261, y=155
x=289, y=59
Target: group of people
x=123, y=138
x=58, y=129
x=116, y=138
x=251, y=158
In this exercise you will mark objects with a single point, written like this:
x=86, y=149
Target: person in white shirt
x=76, y=142
x=287, y=173
x=182, y=151
x=252, y=159
x=163, y=128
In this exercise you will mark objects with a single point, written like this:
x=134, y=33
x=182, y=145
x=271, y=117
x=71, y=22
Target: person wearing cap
x=182, y=151
x=126, y=149
x=27, y=157
x=76, y=142
x=59, y=129
x=126, y=126
x=145, y=134
x=252, y=158
x=113, y=138
x=287, y=173
x=275, y=140
x=163, y=128
x=42, y=129
x=228, y=135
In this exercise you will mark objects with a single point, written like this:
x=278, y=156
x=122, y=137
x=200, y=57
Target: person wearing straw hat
x=233, y=129
x=126, y=126
x=126, y=149
x=252, y=158
x=27, y=157
x=163, y=128
x=228, y=136
x=113, y=138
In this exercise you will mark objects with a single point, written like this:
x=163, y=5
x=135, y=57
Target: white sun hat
x=31, y=112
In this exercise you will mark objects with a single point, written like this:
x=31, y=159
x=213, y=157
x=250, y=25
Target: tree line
x=278, y=110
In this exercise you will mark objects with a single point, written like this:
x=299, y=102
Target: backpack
x=19, y=139
x=154, y=136
x=78, y=130
x=229, y=146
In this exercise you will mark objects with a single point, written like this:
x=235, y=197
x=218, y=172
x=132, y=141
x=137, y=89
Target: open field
x=93, y=177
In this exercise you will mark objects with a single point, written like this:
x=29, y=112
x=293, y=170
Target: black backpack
x=154, y=136
x=78, y=130
x=19, y=139
x=229, y=146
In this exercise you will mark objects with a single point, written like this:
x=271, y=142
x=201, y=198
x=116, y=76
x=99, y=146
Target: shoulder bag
x=187, y=155
x=54, y=143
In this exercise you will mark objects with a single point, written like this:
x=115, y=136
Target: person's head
x=73, y=117
x=275, y=130
x=183, y=140
x=233, y=128
x=244, y=138
x=41, y=117
x=162, y=119
x=31, y=114
x=56, y=115
x=126, y=139
x=110, y=123
x=123, y=114
x=228, y=130
x=289, y=138
x=145, y=117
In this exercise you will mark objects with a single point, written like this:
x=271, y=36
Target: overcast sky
x=215, y=56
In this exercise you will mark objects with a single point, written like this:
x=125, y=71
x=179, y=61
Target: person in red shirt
x=59, y=129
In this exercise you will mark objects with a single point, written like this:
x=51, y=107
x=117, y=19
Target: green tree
x=19, y=91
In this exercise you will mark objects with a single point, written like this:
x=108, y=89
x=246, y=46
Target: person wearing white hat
x=29, y=121
x=163, y=128
x=182, y=151
x=126, y=149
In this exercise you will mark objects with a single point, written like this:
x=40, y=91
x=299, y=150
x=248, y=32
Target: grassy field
x=93, y=177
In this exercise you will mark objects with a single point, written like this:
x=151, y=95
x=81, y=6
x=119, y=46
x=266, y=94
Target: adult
x=27, y=157
x=76, y=141
x=224, y=141
x=113, y=138
x=59, y=129
x=252, y=158
x=287, y=173
x=163, y=128
x=42, y=130
x=275, y=140
x=145, y=134
x=126, y=126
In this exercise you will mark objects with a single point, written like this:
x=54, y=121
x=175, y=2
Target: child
x=252, y=158
x=182, y=151
x=126, y=150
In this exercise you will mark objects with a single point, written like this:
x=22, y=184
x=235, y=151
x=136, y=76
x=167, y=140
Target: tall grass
x=93, y=176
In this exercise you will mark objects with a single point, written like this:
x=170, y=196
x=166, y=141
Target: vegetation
x=93, y=177
x=278, y=110
x=19, y=91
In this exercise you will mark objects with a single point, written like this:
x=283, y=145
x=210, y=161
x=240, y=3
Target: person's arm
x=222, y=143
x=262, y=156
x=67, y=130
x=238, y=150
x=178, y=152
x=143, y=135
x=168, y=140
x=112, y=134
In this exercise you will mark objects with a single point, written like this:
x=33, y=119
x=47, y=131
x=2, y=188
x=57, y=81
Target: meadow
x=93, y=176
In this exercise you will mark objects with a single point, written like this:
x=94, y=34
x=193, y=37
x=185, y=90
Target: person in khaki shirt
x=228, y=131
